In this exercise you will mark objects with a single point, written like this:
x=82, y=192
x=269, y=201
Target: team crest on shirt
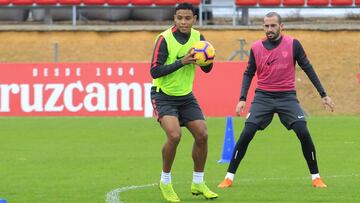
x=285, y=54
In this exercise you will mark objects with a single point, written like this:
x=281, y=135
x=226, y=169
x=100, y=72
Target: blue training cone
x=229, y=142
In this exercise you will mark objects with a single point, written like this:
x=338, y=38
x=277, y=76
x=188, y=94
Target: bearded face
x=272, y=28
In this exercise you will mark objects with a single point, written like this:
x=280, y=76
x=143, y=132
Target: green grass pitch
x=81, y=159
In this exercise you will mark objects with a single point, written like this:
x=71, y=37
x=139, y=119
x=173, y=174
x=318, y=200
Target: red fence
x=106, y=89
x=240, y=3
x=126, y=5
x=98, y=2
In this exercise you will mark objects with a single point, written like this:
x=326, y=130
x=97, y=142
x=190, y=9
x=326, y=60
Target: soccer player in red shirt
x=273, y=60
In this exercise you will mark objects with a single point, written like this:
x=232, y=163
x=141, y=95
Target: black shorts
x=265, y=104
x=185, y=108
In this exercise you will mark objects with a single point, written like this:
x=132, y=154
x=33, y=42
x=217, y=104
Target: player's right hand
x=188, y=58
x=240, y=107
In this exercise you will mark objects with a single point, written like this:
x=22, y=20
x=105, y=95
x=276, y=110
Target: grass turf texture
x=79, y=159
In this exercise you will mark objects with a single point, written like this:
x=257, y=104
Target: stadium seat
x=22, y=2
x=157, y=13
x=14, y=14
x=165, y=2
x=141, y=2
x=245, y=2
x=108, y=14
x=357, y=2
x=269, y=2
x=294, y=2
x=56, y=14
x=94, y=2
x=70, y=2
x=118, y=2
x=341, y=2
x=46, y=2
x=193, y=2
x=318, y=2
x=4, y=2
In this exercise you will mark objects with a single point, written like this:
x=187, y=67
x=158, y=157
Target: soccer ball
x=204, y=53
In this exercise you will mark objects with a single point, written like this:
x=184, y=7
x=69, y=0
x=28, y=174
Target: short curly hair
x=185, y=6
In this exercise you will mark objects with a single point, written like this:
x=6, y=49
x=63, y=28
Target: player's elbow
x=154, y=73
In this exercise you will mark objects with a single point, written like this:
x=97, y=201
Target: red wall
x=106, y=89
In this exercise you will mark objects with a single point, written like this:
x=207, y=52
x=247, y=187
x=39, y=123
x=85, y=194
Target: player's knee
x=202, y=137
x=245, y=138
x=174, y=137
x=248, y=132
x=301, y=130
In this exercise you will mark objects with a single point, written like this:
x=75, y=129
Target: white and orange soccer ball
x=204, y=53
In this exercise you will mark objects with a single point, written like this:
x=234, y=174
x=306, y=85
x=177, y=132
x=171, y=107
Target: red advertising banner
x=218, y=92
x=106, y=89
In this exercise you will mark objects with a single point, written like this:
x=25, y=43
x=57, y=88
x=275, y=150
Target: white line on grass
x=114, y=197
x=295, y=178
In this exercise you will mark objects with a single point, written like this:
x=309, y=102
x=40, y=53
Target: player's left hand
x=328, y=103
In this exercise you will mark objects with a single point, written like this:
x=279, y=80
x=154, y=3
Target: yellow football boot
x=168, y=192
x=202, y=189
